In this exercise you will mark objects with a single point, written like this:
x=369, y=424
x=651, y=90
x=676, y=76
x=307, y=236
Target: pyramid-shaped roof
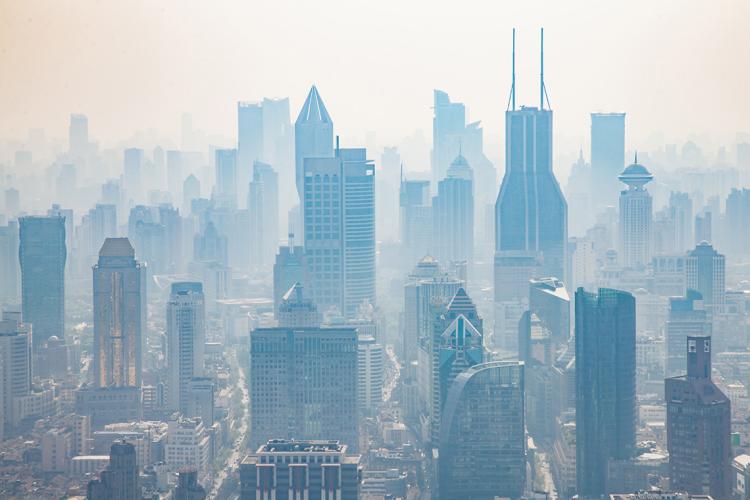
x=314, y=110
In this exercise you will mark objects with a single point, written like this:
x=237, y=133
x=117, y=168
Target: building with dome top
x=636, y=217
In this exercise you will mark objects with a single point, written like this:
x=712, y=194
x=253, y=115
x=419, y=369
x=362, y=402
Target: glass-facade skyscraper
x=42, y=255
x=313, y=135
x=607, y=156
x=186, y=336
x=605, y=385
x=119, y=315
x=453, y=214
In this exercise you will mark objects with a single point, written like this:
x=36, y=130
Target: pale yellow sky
x=677, y=67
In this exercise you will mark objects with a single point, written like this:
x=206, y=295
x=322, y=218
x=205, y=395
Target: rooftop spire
x=314, y=110
x=512, y=97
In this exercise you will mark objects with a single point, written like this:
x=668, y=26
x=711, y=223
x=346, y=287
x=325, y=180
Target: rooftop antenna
x=542, y=88
x=512, y=97
x=636, y=156
x=337, y=145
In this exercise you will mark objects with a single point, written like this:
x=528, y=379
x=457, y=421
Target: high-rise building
x=370, y=375
x=188, y=445
x=263, y=203
x=703, y=227
x=226, y=177
x=687, y=317
x=78, y=136
x=210, y=246
x=296, y=310
x=120, y=481
x=426, y=286
x=249, y=144
x=119, y=315
x=681, y=212
x=636, y=217
x=191, y=190
x=10, y=285
x=339, y=221
x=605, y=385
x=313, y=135
x=698, y=427
x=483, y=444
x=15, y=368
x=132, y=174
x=303, y=384
x=42, y=255
x=289, y=268
x=309, y=469
x=607, y=157
x=453, y=214
x=706, y=274
x=415, y=220
x=549, y=300
x=455, y=344
x=278, y=148
x=186, y=336
x=175, y=173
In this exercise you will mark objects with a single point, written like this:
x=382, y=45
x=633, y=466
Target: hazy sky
x=677, y=67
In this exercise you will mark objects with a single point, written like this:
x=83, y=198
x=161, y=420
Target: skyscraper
x=483, y=443
x=186, y=336
x=687, y=317
x=313, y=135
x=339, y=222
x=15, y=368
x=415, y=220
x=249, y=144
x=636, y=218
x=607, y=156
x=605, y=385
x=289, y=268
x=42, y=255
x=9, y=268
x=698, y=427
x=296, y=310
x=78, y=135
x=681, y=211
x=226, y=178
x=132, y=174
x=426, y=286
x=549, y=300
x=303, y=384
x=120, y=481
x=453, y=214
x=278, y=148
x=263, y=203
x=119, y=315
x=706, y=274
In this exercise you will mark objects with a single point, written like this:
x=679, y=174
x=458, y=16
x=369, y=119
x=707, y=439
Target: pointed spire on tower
x=314, y=110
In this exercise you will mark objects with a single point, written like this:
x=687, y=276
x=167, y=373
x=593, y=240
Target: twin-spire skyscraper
x=531, y=211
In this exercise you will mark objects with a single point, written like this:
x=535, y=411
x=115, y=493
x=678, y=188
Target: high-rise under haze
x=605, y=385
x=453, y=214
x=607, y=157
x=42, y=254
x=186, y=337
x=636, y=217
x=119, y=315
x=313, y=135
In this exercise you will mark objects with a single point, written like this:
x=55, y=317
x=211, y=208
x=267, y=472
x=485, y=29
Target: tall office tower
x=703, y=227
x=148, y=237
x=636, y=218
x=370, y=374
x=314, y=470
x=289, y=268
x=453, y=214
x=295, y=310
x=103, y=221
x=339, y=220
x=169, y=218
x=15, y=369
x=78, y=136
x=578, y=192
x=175, y=173
x=303, y=384
x=605, y=385
x=426, y=286
x=186, y=336
x=263, y=203
x=483, y=443
x=188, y=487
x=705, y=273
x=736, y=219
x=681, y=210
x=249, y=144
x=415, y=220
x=278, y=148
x=66, y=213
x=119, y=315
x=698, y=427
x=9, y=269
x=313, y=135
x=191, y=190
x=607, y=157
x=210, y=246
x=225, y=193
x=120, y=480
x=531, y=214
x=549, y=300
x=132, y=174
x=42, y=256
x=455, y=344
x=687, y=317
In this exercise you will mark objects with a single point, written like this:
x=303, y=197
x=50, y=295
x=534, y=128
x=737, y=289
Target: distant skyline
x=138, y=66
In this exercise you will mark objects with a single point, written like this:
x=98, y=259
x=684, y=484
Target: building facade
x=186, y=336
